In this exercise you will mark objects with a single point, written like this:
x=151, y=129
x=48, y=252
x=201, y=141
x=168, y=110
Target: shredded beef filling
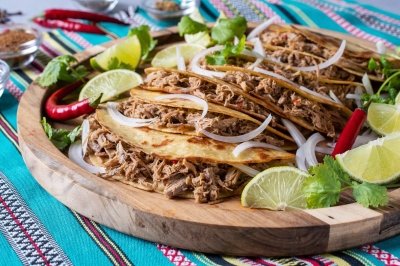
x=298, y=42
x=173, y=117
x=125, y=163
x=220, y=93
x=290, y=102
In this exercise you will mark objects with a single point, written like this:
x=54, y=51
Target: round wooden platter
x=223, y=228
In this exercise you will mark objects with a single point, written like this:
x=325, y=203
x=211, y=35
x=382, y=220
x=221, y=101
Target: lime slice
x=383, y=118
x=111, y=84
x=375, y=162
x=125, y=54
x=167, y=56
x=276, y=188
x=196, y=16
x=201, y=38
x=397, y=100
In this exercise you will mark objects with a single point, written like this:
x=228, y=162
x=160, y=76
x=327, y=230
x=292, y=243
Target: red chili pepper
x=68, y=25
x=350, y=131
x=68, y=111
x=65, y=14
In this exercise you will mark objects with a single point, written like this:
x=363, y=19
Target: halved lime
x=383, y=118
x=125, y=54
x=375, y=162
x=167, y=56
x=397, y=100
x=276, y=188
x=111, y=84
x=202, y=38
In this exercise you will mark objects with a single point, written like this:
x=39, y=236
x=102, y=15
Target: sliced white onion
x=180, y=60
x=300, y=159
x=380, y=47
x=246, y=169
x=235, y=40
x=189, y=97
x=241, y=138
x=367, y=84
x=324, y=150
x=260, y=28
x=258, y=47
x=364, y=139
x=294, y=132
x=353, y=96
x=195, y=67
x=309, y=148
x=336, y=57
x=85, y=135
x=256, y=63
x=359, y=92
x=124, y=120
x=253, y=144
x=75, y=154
x=305, y=89
x=334, y=97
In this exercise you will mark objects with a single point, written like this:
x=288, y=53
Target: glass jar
x=102, y=6
x=169, y=9
x=25, y=53
x=4, y=76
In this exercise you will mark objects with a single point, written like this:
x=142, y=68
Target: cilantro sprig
x=61, y=138
x=389, y=89
x=328, y=180
x=61, y=68
x=225, y=31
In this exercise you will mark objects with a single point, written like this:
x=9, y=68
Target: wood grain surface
x=224, y=228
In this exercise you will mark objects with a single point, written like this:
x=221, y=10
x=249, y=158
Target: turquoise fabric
x=45, y=232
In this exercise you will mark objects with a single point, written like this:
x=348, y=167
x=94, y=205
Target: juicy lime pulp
x=125, y=54
x=111, y=84
x=375, y=162
x=167, y=57
x=383, y=118
x=276, y=189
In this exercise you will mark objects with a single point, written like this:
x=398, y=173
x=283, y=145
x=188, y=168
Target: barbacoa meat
x=125, y=163
x=173, y=117
x=217, y=93
x=290, y=102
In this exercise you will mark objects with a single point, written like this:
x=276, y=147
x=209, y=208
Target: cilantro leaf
x=61, y=138
x=226, y=29
x=60, y=69
x=230, y=50
x=372, y=65
x=323, y=188
x=370, y=195
x=188, y=25
x=147, y=43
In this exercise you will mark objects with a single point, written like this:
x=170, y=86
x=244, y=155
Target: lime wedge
x=397, y=100
x=111, y=84
x=276, y=188
x=125, y=54
x=375, y=162
x=383, y=118
x=167, y=57
x=201, y=38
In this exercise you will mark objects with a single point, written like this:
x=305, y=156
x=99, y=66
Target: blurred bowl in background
x=19, y=44
x=4, y=76
x=102, y=6
x=169, y=9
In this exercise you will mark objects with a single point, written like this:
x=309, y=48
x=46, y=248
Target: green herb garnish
x=322, y=189
x=225, y=31
x=60, y=137
x=147, y=43
x=61, y=69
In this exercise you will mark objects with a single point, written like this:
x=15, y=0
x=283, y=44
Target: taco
x=176, y=165
x=182, y=117
x=268, y=94
x=340, y=86
x=301, y=47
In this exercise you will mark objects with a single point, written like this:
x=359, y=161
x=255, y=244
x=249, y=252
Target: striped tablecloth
x=38, y=230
